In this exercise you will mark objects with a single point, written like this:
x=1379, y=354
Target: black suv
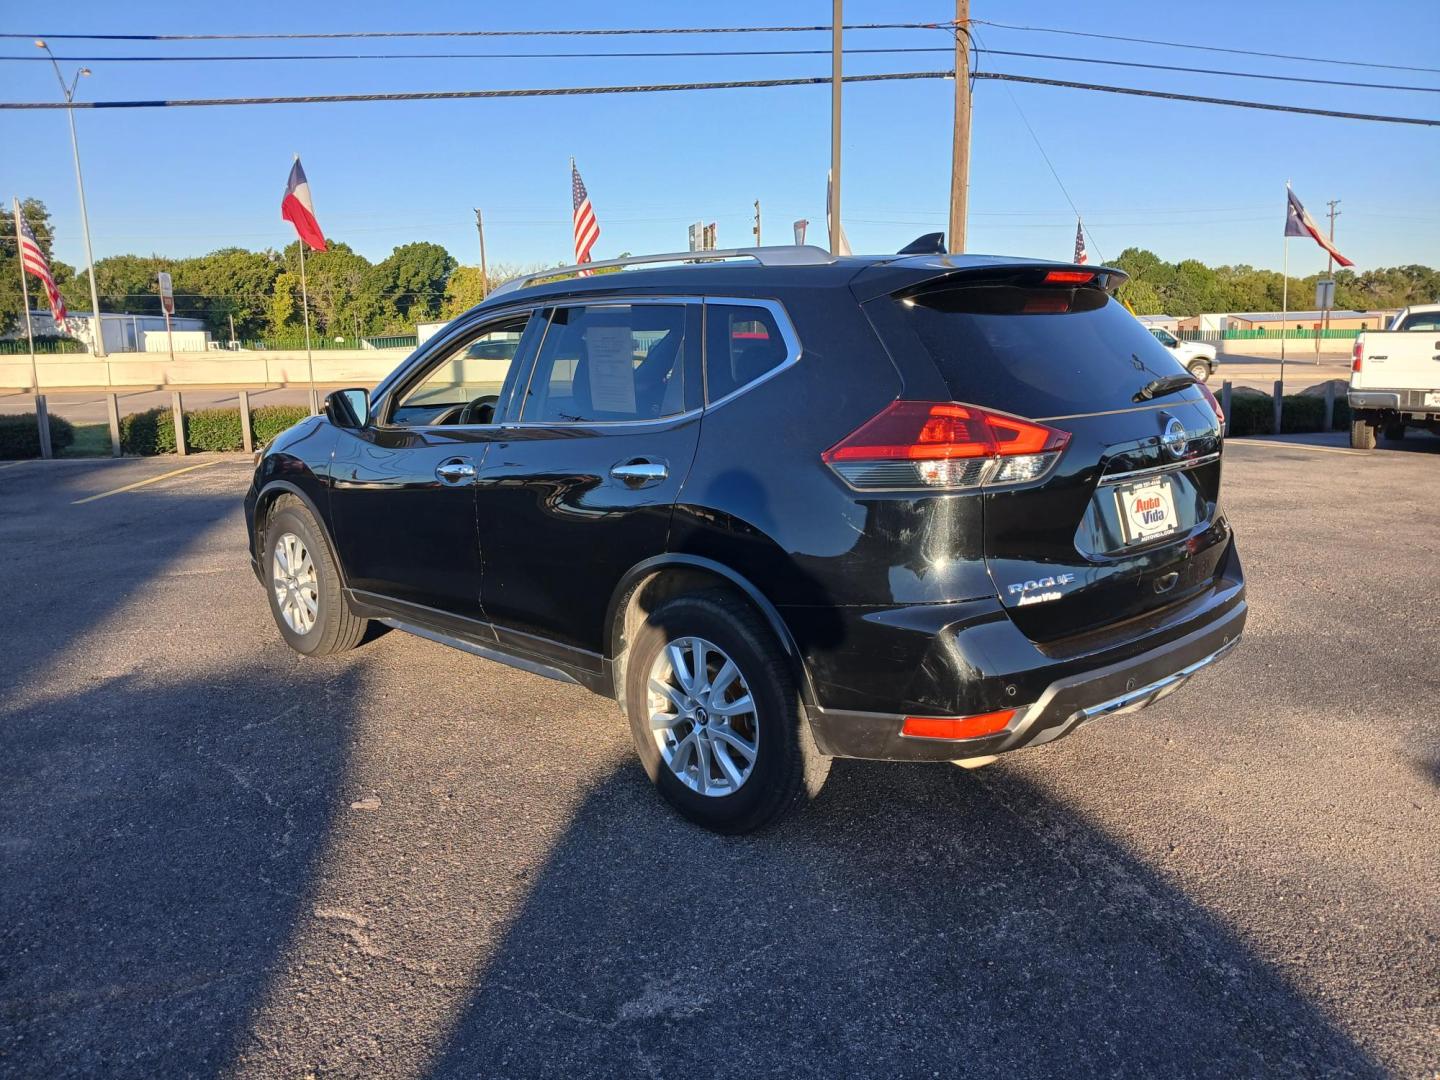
x=913, y=508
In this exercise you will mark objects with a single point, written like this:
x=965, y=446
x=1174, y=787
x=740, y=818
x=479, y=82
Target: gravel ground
x=217, y=857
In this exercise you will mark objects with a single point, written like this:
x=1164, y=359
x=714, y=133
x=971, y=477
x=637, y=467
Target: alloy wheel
x=296, y=585
x=702, y=716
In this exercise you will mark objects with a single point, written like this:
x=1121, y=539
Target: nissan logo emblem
x=1175, y=440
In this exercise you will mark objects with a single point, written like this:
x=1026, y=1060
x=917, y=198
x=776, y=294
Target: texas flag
x=1299, y=223
x=297, y=208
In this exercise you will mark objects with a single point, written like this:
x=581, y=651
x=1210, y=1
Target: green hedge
x=153, y=431
x=1254, y=414
x=20, y=437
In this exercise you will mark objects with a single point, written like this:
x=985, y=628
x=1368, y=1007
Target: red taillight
x=944, y=444
x=1069, y=277
x=1210, y=397
x=1357, y=354
x=956, y=727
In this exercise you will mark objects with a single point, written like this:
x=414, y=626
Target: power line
x=1202, y=48
x=1232, y=102
x=444, y=95
x=819, y=80
x=616, y=32
x=702, y=54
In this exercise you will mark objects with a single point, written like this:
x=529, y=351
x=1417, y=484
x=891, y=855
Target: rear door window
x=1037, y=351
x=609, y=363
x=742, y=343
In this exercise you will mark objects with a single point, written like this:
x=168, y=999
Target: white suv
x=1197, y=357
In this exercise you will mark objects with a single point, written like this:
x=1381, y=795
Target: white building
x=123, y=333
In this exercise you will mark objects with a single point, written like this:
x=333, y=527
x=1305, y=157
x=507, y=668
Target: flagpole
x=42, y=420
x=1284, y=292
x=309, y=356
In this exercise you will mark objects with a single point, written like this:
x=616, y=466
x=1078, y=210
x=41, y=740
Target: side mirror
x=348, y=408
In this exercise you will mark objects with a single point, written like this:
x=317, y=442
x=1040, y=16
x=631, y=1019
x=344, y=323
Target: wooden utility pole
x=836, y=34
x=1330, y=259
x=756, y=229
x=484, y=273
x=960, y=150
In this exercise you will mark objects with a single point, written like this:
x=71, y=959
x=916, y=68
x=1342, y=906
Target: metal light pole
x=98, y=348
x=833, y=196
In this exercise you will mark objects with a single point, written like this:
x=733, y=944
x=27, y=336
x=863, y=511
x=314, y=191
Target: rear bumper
x=1406, y=401
x=1053, y=694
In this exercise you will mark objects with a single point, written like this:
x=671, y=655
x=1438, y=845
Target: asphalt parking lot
x=221, y=858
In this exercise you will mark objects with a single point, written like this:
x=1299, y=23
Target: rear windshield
x=1038, y=352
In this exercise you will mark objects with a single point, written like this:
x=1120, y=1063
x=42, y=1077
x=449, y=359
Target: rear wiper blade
x=1166, y=384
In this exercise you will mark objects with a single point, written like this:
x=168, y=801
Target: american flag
x=1080, y=257
x=587, y=229
x=32, y=259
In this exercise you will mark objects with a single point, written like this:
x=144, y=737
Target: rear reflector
x=1069, y=277
x=935, y=444
x=956, y=727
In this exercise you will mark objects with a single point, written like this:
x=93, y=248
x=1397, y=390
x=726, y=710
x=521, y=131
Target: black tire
x=1362, y=434
x=788, y=769
x=336, y=629
x=1200, y=370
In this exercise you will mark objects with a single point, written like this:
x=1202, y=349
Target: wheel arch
x=265, y=501
x=651, y=582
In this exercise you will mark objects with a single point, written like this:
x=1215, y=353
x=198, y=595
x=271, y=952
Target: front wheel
x=306, y=596
x=1200, y=370
x=716, y=716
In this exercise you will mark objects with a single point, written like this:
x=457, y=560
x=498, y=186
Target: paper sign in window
x=611, y=354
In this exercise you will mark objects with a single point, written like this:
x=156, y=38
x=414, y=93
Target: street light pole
x=98, y=346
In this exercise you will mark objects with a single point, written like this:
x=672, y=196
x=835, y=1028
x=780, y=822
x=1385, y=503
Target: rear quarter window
x=1037, y=352
x=742, y=343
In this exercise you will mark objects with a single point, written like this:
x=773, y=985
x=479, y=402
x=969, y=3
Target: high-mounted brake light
x=956, y=727
x=931, y=444
x=1357, y=354
x=1069, y=277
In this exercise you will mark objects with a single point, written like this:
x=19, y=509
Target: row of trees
x=259, y=291
x=421, y=282
x=1189, y=287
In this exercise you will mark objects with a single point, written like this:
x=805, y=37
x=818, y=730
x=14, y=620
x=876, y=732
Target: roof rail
x=788, y=255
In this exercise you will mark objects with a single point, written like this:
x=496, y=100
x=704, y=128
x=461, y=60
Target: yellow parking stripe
x=1279, y=444
x=12, y=464
x=143, y=483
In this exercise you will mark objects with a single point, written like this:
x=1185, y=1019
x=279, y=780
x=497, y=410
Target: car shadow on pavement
x=914, y=921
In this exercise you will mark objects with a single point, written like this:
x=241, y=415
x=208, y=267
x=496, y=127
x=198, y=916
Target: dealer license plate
x=1147, y=510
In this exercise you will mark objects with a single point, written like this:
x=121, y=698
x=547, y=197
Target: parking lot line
x=12, y=464
x=1294, y=446
x=143, y=483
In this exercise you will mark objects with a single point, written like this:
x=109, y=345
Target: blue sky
x=1185, y=180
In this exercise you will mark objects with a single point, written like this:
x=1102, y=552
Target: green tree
x=410, y=284
x=225, y=284
x=284, y=308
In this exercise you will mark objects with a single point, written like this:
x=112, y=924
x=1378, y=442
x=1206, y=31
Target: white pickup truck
x=1395, y=377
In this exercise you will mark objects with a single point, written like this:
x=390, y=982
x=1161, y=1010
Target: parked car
x=903, y=508
x=1395, y=377
x=1195, y=356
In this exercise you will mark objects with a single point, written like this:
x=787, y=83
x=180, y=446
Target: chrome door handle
x=455, y=472
x=639, y=474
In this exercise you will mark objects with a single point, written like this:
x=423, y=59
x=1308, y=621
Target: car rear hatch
x=1125, y=520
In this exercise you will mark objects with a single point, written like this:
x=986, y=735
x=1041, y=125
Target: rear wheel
x=1200, y=370
x=1362, y=433
x=716, y=717
x=306, y=597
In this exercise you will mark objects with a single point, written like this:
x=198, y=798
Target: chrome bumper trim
x=1135, y=700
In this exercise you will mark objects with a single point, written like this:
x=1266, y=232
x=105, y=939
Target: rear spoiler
x=904, y=277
